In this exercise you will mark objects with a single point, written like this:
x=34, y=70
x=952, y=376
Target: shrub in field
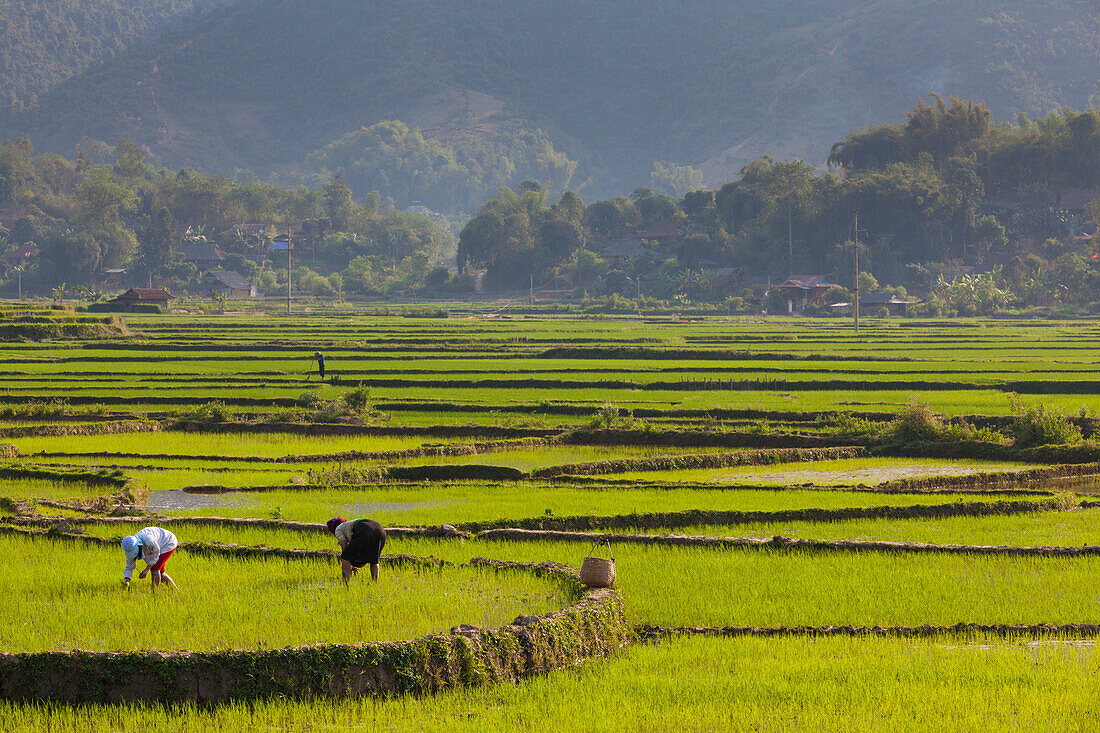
x=358, y=400
x=1036, y=424
x=309, y=400
x=56, y=407
x=917, y=423
x=353, y=406
x=962, y=431
x=210, y=412
x=609, y=416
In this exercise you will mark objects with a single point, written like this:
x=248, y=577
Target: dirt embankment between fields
x=312, y=428
x=80, y=428
x=760, y=457
x=958, y=631
x=468, y=656
x=692, y=518
x=704, y=439
x=656, y=520
x=126, y=524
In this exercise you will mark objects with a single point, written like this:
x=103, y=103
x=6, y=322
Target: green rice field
x=67, y=597
x=246, y=427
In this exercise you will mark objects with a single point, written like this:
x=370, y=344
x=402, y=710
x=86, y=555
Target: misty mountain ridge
x=579, y=94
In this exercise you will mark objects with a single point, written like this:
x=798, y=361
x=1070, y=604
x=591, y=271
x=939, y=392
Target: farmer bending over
x=362, y=541
x=320, y=364
x=155, y=545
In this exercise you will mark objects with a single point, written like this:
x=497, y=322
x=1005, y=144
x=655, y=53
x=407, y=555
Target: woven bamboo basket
x=598, y=572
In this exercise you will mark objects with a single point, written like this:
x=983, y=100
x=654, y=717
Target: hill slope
x=44, y=42
x=262, y=84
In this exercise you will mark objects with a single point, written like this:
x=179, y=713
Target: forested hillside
x=502, y=91
x=44, y=42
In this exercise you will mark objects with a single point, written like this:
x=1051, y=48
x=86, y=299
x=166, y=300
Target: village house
x=203, y=255
x=23, y=254
x=801, y=291
x=873, y=305
x=230, y=283
x=621, y=250
x=660, y=231
x=1076, y=200
x=143, y=296
x=112, y=278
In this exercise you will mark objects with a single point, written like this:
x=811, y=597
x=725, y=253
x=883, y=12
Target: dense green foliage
x=91, y=214
x=390, y=158
x=945, y=193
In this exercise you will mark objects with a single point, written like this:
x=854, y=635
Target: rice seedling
x=1039, y=529
x=63, y=595
x=47, y=489
x=674, y=586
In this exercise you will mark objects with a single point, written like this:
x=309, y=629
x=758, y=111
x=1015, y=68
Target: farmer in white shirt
x=361, y=542
x=155, y=546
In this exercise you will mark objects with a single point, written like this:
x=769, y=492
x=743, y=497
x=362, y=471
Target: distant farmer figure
x=320, y=363
x=362, y=541
x=155, y=546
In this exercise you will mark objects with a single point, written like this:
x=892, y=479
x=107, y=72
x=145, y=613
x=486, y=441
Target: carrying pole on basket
x=598, y=572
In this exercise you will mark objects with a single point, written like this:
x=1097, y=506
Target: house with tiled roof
x=1076, y=199
x=622, y=250
x=143, y=296
x=230, y=283
x=801, y=291
x=23, y=254
x=202, y=255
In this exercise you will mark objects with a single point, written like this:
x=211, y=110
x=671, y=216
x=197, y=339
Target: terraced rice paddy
x=466, y=417
x=465, y=503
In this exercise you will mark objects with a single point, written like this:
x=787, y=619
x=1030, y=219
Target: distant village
x=642, y=253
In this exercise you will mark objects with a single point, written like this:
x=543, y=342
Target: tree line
x=112, y=208
x=951, y=204
x=948, y=193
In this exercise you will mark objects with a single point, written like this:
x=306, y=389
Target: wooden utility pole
x=790, y=242
x=289, y=259
x=855, y=250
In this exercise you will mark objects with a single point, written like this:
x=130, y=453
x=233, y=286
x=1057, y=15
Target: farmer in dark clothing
x=320, y=363
x=362, y=541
